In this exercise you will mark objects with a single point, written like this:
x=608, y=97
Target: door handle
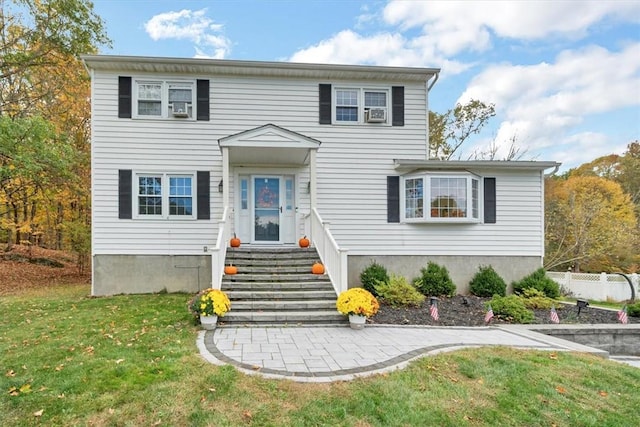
x=280, y=209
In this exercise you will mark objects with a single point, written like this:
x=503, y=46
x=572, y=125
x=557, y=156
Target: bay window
x=441, y=198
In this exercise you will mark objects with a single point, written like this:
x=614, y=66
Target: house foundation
x=127, y=274
x=461, y=268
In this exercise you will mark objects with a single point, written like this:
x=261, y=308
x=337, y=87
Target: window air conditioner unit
x=376, y=115
x=180, y=109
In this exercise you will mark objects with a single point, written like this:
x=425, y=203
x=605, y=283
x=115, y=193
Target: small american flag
x=433, y=310
x=554, y=315
x=622, y=315
x=489, y=315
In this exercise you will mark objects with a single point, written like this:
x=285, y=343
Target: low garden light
x=581, y=303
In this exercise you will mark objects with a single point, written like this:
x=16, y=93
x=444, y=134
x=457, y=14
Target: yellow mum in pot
x=357, y=301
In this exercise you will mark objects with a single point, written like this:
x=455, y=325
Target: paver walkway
x=323, y=354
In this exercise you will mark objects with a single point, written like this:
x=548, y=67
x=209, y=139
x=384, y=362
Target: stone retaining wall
x=616, y=339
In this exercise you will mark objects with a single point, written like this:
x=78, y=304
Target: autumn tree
x=590, y=223
x=45, y=89
x=450, y=130
x=35, y=165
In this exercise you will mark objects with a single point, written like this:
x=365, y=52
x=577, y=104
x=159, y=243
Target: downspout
x=553, y=172
x=437, y=75
x=429, y=86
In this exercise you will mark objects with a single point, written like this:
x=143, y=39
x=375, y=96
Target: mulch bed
x=470, y=311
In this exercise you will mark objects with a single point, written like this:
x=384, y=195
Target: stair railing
x=332, y=256
x=219, y=252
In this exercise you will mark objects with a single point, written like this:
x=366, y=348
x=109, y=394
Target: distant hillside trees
x=591, y=215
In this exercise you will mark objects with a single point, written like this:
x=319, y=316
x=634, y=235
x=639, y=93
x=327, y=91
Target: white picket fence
x=593, y=286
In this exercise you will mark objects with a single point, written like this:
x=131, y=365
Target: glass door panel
x=267, y=209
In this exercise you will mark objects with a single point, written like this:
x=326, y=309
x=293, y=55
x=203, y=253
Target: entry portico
x=263, y=172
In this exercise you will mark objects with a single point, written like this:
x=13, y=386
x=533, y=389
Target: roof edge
x=405, y=164
x=229, y=66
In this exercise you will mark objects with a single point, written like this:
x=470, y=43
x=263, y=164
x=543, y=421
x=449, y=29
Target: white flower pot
x=357, y=321
x=208, y=322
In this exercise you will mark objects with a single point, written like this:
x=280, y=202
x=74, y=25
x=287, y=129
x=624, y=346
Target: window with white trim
x=361, y=105
x=441, y=198
x=164, y=99
x=165, y=196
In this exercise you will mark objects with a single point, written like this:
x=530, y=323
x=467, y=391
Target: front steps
x=275, y=286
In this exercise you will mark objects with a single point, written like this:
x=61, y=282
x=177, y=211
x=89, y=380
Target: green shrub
x=372, y=275
x=538, y=280
x=535, y=299
x=435, y=281
x=398, y=292
x=512, y=308
x=633, y=310
x=487, y=283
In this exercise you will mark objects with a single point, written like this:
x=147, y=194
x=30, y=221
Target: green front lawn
x=131, y=360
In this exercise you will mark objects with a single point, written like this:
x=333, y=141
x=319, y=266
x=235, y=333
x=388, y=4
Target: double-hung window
x=441, y=198
x=361, y=105
x=164, y=99
x=165, y=196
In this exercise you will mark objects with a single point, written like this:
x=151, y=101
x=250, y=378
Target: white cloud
x=389, y=49
x=456, y=26
x=542, y=103
x=546, y=106
x=193, y=26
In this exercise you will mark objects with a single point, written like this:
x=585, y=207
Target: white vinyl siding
x=352, y=165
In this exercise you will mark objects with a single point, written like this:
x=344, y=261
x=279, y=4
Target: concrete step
x=274, y=269
x=272, y=262
x=279, y=295
x=320, y=285
x=285, y=317
x=284, y=305
x=276, y=255
x=273, y=277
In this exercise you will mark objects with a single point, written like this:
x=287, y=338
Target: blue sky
x=564, y=75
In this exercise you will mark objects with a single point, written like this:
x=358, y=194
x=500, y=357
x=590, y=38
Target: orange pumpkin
x=234, y=242
x=230, y=269
x=317, y=268
x=304, y=242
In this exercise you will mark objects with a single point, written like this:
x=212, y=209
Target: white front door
x=265, y=209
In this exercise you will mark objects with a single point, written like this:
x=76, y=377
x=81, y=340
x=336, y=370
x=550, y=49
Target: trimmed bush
x=633, y=310
x=487, y=283
x=372, y=275
x=435, y=281
x=513, y=308
x=535, y=299
x=397, y=292
x=538, y=280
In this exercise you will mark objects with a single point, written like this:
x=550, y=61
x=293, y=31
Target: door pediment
x=269, y=144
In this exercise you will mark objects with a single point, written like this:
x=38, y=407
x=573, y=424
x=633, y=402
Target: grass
x=131, y=360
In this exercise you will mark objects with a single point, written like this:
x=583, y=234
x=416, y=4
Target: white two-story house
x=188, y=152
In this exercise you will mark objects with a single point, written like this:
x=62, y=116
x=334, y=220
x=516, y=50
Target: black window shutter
x=124, y=97
x=325, y=104
x=202, y=99
x=397, y=105
x=393, y=199
x=490, y=200
x=203, y=195
x=125, y=196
